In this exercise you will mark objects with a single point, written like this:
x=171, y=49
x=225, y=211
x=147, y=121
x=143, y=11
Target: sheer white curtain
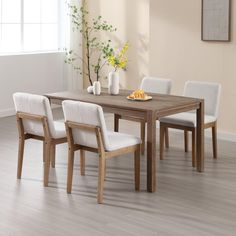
x=73, y=41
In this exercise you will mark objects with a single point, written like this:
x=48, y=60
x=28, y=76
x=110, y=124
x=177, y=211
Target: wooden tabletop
x=161, y=104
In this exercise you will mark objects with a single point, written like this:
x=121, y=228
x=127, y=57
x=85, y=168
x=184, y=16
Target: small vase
x=113, y=83
x=96, y=88
x=90, y=89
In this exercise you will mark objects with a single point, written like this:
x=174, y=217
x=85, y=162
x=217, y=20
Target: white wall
x=34, y=73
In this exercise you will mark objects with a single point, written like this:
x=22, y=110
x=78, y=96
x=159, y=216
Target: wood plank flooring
x=177, y=208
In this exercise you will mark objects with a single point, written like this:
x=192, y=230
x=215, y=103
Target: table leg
x=200, y=137
x=151, y=152
x=116, y=122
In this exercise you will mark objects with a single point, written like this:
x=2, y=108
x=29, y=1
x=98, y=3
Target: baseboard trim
x=7, y=112
x=227, y=136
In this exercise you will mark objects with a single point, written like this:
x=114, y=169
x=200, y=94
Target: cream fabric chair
x=35, y=121
x=86, y=131
x=186, y=121
x=156, y=85
x=149, y=85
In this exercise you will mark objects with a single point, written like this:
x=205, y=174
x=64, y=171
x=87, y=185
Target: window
x=30, y=25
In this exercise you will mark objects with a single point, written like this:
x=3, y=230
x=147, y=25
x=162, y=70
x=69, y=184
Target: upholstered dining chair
x=86, y=131
x=35, y=121
x=149, y=85
x=186, y=121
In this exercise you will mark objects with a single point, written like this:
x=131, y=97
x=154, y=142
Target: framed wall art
x=216, y=20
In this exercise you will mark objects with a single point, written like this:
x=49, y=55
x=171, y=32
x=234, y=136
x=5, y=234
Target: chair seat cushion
x=186, y=119
x=120, y=140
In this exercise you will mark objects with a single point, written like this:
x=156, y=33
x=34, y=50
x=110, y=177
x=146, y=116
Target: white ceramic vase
x=113, y=83
x=90, y=89
x=96, y=88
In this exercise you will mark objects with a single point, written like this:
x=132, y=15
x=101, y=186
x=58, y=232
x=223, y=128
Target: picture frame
x=216, y=20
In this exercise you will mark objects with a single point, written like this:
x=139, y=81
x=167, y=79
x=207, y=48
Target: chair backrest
x=35, y=105
x=156, y=85
x=88, y=114
x=210, y=92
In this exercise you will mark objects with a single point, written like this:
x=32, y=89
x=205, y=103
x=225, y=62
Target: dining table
x=159, y=106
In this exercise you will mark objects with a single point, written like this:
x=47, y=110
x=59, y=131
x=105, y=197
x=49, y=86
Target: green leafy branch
x=91, y=42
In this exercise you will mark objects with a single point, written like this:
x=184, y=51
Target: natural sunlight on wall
x=132, y=21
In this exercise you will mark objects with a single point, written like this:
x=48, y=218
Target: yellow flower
x=119, y=61
x=123, y=63
x=124, y=50
x=111, y=60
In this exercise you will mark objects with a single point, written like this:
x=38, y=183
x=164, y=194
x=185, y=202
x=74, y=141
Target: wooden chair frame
x=212, y=125
x=49, y=143
x=142, y=129
x=103, y=155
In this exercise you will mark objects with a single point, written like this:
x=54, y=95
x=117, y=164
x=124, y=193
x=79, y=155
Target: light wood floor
x=177, y=208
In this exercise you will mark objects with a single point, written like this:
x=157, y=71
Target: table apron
x=55, y=101
x=110, y=109
x=177, y=110
x=125, y=112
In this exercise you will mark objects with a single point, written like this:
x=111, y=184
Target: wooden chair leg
x=142, y=135
x=137, y=168
x=70, y=169
x=53, y=155
x=82, y=162
x=101, y=174
x=214, y=141
x=193, y=147
x=116, y=122
x=47, y=163
x=105, y=171
x=186, y=141
x=167, y=137
x=162, y=133
x=44, y=151
x=20, y=156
